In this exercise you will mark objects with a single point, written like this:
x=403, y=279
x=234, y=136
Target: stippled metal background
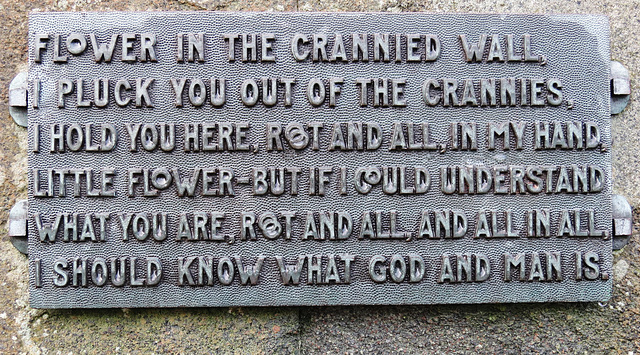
x=576, y=52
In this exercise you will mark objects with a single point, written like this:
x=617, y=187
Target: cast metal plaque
x=261, y=159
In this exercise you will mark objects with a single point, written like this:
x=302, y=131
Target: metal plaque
x=263, y=159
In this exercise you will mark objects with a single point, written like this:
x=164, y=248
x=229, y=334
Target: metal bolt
x=18, y=99
x=18, y=226
x=620, y=87
x=622, y=221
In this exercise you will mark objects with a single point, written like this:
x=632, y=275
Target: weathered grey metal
x=620, y=87
x=18, y=226
x=622, y=222
x=18, y=99
x=264, y=201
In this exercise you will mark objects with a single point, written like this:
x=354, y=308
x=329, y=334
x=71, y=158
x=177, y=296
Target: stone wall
x=511, y=328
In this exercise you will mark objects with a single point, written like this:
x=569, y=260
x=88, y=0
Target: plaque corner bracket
x=18, y=98
x=18, y=226
x=622, y=215
x=620, y=87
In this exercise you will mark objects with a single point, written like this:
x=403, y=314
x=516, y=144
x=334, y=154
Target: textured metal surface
x=572, y=49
